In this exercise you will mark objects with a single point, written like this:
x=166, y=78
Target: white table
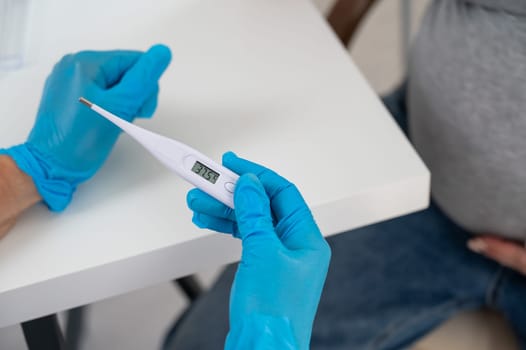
x=265, y=78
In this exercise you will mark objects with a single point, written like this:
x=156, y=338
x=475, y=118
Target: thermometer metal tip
x=86, y=102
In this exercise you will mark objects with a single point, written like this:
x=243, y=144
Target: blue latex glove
x=69, y=142
x=284, y=261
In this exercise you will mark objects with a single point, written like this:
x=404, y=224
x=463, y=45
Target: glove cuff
x=56, y=193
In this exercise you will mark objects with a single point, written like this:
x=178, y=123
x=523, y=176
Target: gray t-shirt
x=467, y=111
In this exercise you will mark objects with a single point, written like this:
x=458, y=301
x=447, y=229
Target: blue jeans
x=388, y=285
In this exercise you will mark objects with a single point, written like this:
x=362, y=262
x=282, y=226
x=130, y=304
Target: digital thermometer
x=193, y=166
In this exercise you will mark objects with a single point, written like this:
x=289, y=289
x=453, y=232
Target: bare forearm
x=17, y=193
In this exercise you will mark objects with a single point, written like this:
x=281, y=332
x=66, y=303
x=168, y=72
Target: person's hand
x=284, y=261
x=508, y=253
x=69, y=142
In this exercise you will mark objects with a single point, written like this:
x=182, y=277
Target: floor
x=139, y=319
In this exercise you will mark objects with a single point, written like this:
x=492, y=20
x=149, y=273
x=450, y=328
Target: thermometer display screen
x=205, y=172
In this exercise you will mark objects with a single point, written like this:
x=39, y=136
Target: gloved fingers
x=254, y=218
x=284, y=196
x=102, y=66
x=216, y=224
x=140, y=81
x=200, y=202
x=296, y=226
x=109, y=66
x=150, y=105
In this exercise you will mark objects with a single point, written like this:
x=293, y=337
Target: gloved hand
x=69, y=142
x=284, y=261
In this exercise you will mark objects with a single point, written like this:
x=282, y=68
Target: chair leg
x=43, y=334
x=190, y=286
x=75, y=327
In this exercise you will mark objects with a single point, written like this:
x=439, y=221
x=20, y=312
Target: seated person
x=285, y=258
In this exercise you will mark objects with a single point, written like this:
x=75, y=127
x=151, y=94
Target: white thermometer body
x=193, y=166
